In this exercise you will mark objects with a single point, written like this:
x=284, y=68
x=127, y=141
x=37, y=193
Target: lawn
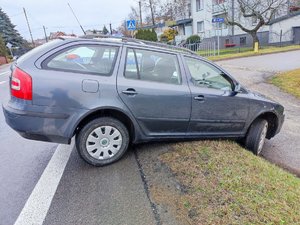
x=229, y=185
x=236, y=52
x=288, y=82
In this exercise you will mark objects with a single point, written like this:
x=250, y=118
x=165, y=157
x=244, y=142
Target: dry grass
x=288, y=82
x=228, y=185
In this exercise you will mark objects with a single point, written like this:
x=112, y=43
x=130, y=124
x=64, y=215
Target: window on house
x=199, y=5
x=200, y=27
x=243, y=41
x=189, y=10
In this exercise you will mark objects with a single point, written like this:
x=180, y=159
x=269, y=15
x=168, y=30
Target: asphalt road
x=254, y=72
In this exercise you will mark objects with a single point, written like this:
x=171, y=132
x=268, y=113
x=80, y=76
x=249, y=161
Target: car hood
x=258, y=96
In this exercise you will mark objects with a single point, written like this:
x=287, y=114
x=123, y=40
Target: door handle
x=199, y=98
x=130, y=91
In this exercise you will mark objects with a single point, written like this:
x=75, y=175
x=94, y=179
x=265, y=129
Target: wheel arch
x=272, y=120
x=107, y=112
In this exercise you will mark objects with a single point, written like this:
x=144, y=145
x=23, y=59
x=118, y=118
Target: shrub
x=193, y=39
x=147, y=35
x=168, y=35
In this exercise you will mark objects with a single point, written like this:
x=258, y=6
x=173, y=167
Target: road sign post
x=218, y=20
x=9, y=46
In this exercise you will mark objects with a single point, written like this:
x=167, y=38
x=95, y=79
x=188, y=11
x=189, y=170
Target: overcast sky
x=55, y=15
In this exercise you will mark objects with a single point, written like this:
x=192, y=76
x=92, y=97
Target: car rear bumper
x=39, y=125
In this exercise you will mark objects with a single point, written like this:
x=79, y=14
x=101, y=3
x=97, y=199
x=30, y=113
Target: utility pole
x=76, y=18
x=110, y=29
x=152, y=13
x=29, y=27
x=232, y=8
x=46, y=38
x=141, y=17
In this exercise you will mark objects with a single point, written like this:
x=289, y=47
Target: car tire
x=256, y=136
x=102, y=141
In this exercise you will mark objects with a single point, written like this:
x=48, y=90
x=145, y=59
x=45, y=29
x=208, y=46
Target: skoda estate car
x=110, y=93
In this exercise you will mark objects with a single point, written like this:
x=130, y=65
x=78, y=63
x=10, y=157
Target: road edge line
x=37, y=205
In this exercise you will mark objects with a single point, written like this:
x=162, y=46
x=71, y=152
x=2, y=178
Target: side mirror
x=237, y=88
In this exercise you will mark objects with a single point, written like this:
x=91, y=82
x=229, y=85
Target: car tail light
x=21, y=84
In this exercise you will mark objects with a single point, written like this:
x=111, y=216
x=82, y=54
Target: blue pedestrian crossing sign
x=131, y=25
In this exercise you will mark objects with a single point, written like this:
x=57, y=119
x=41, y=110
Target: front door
x=215, y=110
x=151, y=85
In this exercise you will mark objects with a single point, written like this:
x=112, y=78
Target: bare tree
x=133, y=15
x=175, y=9
x=151, y=5
x=251, y=15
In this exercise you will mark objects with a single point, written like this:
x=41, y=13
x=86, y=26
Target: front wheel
x=256, y=136
x=102, y=141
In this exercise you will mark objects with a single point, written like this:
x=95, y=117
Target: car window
x=206, y=75
x=85, y=59
x=152, y=66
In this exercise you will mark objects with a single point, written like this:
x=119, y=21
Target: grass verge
x=288, y=82
x=228, y=185
x=246, y=52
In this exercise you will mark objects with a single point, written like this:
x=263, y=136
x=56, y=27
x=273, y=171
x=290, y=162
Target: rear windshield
x=91, y=59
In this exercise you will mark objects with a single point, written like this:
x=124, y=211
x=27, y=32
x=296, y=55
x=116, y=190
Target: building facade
x=204, y=12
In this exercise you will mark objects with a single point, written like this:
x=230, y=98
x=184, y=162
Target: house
x=285, y=29
x=55, y=35
x=205, y=13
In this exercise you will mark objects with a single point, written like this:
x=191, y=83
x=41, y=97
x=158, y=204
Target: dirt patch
x=168, y=195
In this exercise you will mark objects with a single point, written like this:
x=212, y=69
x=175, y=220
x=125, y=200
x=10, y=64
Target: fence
x=205, y=49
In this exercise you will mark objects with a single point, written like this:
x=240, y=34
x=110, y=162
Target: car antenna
x=76, y=18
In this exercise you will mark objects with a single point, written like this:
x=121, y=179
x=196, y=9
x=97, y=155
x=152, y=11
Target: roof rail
x=143, y=42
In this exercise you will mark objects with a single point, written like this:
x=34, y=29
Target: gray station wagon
x=113, y=92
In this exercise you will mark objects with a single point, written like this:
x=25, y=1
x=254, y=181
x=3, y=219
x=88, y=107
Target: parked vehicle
x=112, y=93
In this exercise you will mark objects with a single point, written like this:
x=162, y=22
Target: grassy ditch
x=228, y=185
x=288, y=82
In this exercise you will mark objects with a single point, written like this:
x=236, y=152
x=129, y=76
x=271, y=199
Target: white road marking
x=38, y=203
x=2, y=82
x=4, y=73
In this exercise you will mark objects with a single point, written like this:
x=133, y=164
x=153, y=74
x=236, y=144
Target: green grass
x=229, y=185
x=288, y=82
x=230, y=53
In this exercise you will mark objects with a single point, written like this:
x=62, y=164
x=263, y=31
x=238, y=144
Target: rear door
x=152, y=85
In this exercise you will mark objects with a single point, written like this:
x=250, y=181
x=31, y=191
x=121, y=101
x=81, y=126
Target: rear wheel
x=102, y=141
x=256, y=136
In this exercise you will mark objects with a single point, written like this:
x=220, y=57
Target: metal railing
x=204, y=49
